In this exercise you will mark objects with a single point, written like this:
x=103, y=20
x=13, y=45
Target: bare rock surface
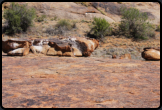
x=57, y=82
x=71, y=10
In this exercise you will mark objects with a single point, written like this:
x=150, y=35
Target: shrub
x=100, y=27
x=83, y=3
x=64, y=23
x=101, y=11
x=41, y=18
x=158, y=28
x=55, y=18
x=134, y=24
x=62, y=27
x=18, y=17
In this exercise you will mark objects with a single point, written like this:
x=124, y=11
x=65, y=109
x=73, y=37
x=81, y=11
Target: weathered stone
x=59, y=82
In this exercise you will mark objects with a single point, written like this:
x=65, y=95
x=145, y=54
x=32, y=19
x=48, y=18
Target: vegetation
x=83, y=3
x=119, y=2
x=134, y=24
x=18, y=17
x=100, y=27
x=41, y=18
x=64, y=24
x=158, y=28
x=55, y=18
x=101, y=11
x=61, y=27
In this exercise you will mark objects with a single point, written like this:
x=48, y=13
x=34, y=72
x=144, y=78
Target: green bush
x=158, y=28
x=134, y=24
x=61, y=28
x=65, y=24
x=41, y=18
x=19, y=18
x=100, y=27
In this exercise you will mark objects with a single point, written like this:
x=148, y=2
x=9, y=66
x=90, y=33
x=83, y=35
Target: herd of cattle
x=67, y=46
x=63, y=46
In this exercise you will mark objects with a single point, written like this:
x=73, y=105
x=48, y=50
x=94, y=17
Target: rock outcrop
x=151, y=53
x=62, y=82
x=66, y=46
x=71, y=10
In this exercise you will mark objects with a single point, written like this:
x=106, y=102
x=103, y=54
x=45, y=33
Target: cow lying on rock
x=19, y=52
x=39, y=46
x=67, y=46
x=16, y=46
x=151, y=53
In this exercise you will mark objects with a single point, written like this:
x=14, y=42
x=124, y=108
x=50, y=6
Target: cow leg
x=26, y=51
x=72, y=51
x=33, y=49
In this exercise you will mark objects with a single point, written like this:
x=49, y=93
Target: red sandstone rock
x=62, y=82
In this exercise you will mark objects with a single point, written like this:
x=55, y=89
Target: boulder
x=151, y=54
